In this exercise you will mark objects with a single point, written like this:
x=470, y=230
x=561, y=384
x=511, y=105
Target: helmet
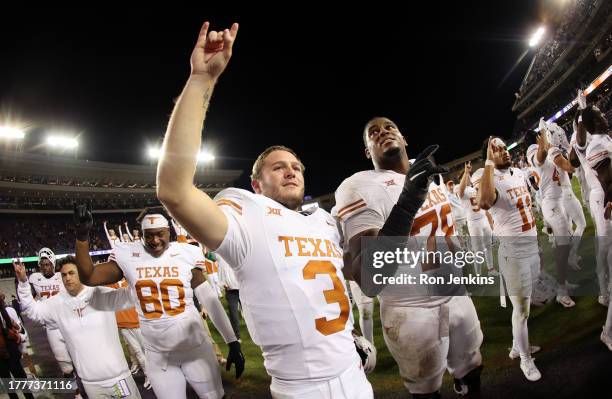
x=557, y=136
x=46, y=253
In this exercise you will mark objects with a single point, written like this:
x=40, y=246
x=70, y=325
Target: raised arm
x=487, y=195
x=37, y=311
x=101, y=274
x=106, y=298
x=127, y=231
x=577, y=124
x=465, y=179
x=192, y=208
x=543, y=147
x=120, y=236
x=107, y=235
x=563, y=163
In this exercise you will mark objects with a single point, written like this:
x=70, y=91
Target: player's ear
x=367, y=153
x=404, y=140
x=256, y=186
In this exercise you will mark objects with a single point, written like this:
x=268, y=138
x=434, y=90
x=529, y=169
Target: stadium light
x=205, y=156
x=11, y=133
x=536, y=37
x=62, y=142
x=153, y=153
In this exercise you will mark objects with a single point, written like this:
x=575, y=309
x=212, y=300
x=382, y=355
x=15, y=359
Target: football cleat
x=530, y=370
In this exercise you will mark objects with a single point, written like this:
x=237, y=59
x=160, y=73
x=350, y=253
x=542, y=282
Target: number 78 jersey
x=364, y=201
x=289, y=268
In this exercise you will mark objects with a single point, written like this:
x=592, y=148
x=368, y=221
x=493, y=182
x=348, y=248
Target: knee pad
x=523, y=308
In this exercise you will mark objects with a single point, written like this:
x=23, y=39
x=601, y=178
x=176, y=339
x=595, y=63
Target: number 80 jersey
x=161, y=288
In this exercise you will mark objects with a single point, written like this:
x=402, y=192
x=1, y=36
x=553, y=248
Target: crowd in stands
x=50, y=203
x=574, y=18
x=23, y=235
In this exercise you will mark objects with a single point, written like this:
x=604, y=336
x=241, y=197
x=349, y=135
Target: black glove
x=235, y=356
x=424, y=169
x=83, y=221
x=421, y=173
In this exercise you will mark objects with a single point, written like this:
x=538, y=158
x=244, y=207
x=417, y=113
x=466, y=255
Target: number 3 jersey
x=513, y=220
x=364, y=201
x=294, y=299
x=161, y=288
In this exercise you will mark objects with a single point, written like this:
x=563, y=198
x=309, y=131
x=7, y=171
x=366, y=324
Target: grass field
x=550, y=326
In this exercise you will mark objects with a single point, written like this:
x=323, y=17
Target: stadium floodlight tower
x=11, y=133
x=63, y=143
x=535, y=39
x=537, y=36
x=153, y=153
x=12, y=137
x=204, y=157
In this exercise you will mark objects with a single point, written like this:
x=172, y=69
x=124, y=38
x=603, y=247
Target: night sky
x=306, y=77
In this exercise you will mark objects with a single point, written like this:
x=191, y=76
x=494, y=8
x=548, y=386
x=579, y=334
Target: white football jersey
x=470, y=204
x=113, y=241
x=46, y=287
x=512, y=214
x=456, y=205
x=550, y=182
x=589, y=174
x=292, y=290
x=599, y=148
x=364, y=201
x=564, y=180
x=161, y=288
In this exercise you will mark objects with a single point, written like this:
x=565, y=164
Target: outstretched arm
x=487, y=195
x=564, y=164
x=37, y=311
x=127, y=231
x=465, y=179
x=101, y=274
x=543, y=147
x=192, y=208
x=108, y=235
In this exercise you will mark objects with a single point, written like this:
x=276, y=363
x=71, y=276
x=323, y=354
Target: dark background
x=308, y=77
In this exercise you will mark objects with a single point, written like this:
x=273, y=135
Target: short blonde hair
x=259, y=162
